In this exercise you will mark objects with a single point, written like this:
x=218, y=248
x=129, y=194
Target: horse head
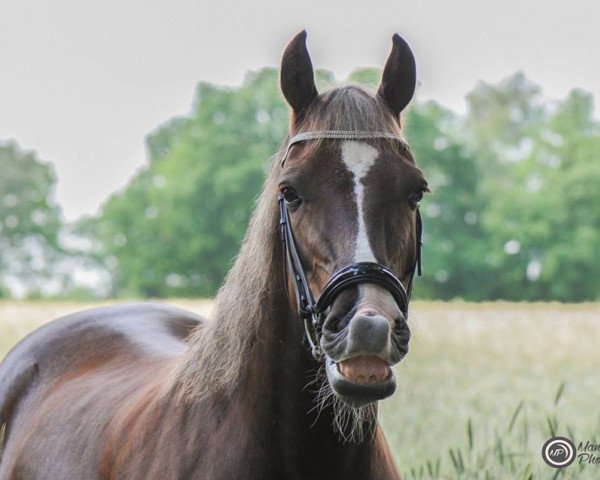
x=349, y=191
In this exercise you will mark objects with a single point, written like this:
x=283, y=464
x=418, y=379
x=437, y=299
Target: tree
x=454, y=241
x=541, y=220
x=176, y=228
x=29, y=221
x=513, y=214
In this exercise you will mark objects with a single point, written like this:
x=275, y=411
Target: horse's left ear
x=399, y=76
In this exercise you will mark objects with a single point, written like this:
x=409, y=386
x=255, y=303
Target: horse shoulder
x=85, y=342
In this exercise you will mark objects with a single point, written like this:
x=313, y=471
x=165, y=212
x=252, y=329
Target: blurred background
x=135, y=136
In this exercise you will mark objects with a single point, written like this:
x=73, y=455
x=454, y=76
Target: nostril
x=334, y=325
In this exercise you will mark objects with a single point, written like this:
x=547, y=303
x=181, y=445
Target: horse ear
x=399, y=76
x=297, y=76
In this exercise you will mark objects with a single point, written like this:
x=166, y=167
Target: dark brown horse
x=153, y=392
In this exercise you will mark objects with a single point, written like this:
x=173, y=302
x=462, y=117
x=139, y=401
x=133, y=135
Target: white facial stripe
x=359, y=157
x=377, y=298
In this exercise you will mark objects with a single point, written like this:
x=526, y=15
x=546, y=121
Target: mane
x=219, y=351
x=350, y=108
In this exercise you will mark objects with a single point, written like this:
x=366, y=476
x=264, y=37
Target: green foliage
x=367, y=77
x=541, y=219
x=513, y=214
x=176, y=228
x=453, y=237
x=29, y=220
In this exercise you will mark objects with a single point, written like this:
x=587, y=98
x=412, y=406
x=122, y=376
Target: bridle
x=313, y=312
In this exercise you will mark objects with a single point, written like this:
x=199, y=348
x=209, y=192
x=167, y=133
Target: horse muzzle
x=380, y=384
x=362, y=338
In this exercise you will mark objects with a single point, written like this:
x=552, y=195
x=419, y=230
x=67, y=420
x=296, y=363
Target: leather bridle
x=313, y=312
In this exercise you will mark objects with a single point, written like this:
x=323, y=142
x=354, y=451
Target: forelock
x=351, y=108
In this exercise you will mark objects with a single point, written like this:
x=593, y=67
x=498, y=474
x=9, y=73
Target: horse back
x=92, y=360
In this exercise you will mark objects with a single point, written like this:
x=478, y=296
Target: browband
x=340, y=135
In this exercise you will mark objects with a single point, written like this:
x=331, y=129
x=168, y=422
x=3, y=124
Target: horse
x=277, y=385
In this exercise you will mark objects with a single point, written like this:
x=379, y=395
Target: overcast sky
x=82, y=82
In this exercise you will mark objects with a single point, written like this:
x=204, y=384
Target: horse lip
x=381, y=356
x=358, y=394
x=371, y=369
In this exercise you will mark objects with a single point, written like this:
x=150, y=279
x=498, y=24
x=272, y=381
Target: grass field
x=482, y=388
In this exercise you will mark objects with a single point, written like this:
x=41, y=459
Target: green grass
x=482, y=388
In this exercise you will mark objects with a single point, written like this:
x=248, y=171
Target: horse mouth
x=361, y=380
x=364, y=370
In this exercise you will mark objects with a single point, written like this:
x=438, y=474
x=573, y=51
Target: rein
x=313, y=312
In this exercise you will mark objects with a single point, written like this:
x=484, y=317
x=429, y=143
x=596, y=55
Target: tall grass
x=509, y=454
x=481, y=390
x=484, y=386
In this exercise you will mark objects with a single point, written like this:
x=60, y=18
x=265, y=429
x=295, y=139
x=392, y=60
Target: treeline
x=514, y=214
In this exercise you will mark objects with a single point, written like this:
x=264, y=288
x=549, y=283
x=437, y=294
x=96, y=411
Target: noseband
x=313, y=313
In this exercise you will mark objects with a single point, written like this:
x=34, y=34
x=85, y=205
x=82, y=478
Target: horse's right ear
x=297, y=76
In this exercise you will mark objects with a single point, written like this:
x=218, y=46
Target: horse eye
x=290, y=195
x=416, y=197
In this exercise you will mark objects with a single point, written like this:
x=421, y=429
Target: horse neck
x=277, y=386
x=250, y=368
x=279, y=395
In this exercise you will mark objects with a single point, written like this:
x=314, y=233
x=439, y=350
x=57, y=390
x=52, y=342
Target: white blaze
x=359, y=157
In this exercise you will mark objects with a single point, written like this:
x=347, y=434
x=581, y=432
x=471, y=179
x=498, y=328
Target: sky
x=83, y=82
